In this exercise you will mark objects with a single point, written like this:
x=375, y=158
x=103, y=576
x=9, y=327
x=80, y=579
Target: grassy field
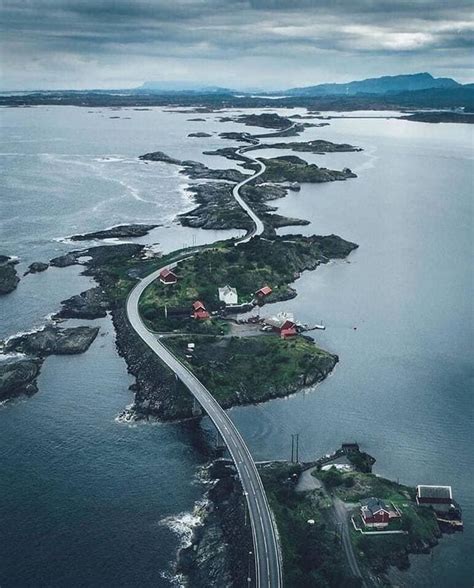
x=252, y=369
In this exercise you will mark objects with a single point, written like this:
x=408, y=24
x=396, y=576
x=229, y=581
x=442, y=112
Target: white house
x=228, y=295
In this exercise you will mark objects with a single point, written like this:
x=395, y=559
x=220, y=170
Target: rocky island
x=22, y=356
x=119, y=231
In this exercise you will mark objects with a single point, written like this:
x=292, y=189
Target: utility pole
x=297, y=447
x=292, y=447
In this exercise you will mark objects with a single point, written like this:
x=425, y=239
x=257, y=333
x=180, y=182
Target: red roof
x=201, y=314
x=265, y=291
x=198, y=305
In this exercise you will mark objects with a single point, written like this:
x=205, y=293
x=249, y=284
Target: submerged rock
x=53, y=341
x=18, y=376
x=200, y=134
x=8, y=276
x=36, y=267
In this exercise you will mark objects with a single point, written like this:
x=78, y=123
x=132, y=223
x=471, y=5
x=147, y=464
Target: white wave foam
x=21, y=333
x=184, y=524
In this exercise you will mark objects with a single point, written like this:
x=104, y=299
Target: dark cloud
x=84, y=43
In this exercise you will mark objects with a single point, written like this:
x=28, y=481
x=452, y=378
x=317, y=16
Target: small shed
x=228, y=295
x=263, y=292
x=168, y=277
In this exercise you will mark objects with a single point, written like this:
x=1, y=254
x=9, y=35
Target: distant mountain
x=176, y=87
x=378, y=86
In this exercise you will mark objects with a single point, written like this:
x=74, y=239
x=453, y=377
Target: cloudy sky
x=233, y=43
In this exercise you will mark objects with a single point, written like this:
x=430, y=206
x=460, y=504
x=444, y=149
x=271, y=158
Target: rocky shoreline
x=219, y=551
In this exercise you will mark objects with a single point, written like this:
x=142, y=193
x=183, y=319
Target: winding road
x=267, y=552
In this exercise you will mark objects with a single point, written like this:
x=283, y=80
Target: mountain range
x=371, y=86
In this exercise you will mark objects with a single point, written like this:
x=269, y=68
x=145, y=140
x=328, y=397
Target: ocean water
x=88, y=501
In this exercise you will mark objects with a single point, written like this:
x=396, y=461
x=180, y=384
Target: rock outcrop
x=8, y=276
x=36, y=267
x=219, y=550
x=18, y=376
x=53, y=341
x=117, y=232
x=90, y=304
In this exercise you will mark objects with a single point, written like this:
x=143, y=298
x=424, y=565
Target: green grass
x=252, y=369
x=260, y=262
x=354, y=486
x=380, y=551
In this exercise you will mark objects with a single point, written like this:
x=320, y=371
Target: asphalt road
x=267, y=553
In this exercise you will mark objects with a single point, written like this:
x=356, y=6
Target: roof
x=167, y=272
x=266, y=290
x=374, y=505
x=227, y=290
x=281, y=320
x=434, y=492
x=198, y=305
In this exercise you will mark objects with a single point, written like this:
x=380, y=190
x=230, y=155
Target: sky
x=242, y=44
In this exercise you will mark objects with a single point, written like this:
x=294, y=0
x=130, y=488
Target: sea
x=88, y=500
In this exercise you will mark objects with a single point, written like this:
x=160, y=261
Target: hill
x=382, y=85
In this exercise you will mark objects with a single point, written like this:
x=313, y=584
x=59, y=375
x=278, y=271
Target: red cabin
x=199, y=311
x=263, y=292
x=168, y=277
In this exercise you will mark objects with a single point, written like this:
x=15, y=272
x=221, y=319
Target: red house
x=263, y=292
x=288, y=331
x=375, y=513
x=168, y=277
x=283, y=324
x=199, y=311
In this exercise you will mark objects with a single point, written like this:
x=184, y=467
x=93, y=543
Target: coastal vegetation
x=310, y=544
